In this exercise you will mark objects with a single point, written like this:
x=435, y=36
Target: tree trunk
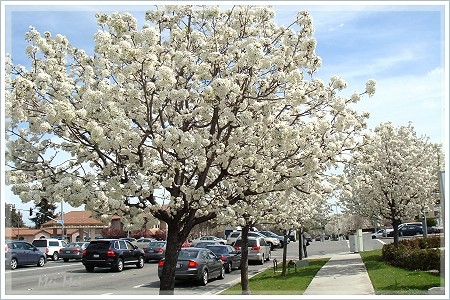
x=285, y=238
x=175, y=238
x=395, y=234
x=244, y=260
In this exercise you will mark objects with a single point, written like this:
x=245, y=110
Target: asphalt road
x=70, y=278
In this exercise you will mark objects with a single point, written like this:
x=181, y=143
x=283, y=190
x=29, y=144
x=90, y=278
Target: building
x=76, y=224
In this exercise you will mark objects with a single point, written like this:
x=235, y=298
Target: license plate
x=179, y=265
x=96, y=256
x=68, y=251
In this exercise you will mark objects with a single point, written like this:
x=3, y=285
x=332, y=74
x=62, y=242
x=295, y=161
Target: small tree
x=13, y=216
x=394, y=174
x=45, y=212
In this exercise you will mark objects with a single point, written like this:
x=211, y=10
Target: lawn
x=389, y=280
x=270, y=283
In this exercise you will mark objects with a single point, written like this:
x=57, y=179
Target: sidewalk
x=343, y=274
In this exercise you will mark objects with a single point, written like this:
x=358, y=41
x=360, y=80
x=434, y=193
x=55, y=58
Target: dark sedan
x=197, y=264
x=407, y=230
x=73, y=251
x=155, y=250
x=231, y=258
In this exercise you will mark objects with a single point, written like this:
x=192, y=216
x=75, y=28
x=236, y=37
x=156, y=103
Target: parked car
x=155, y=250
x=380, y=233
x=203, y=244
x=143, y=242
x=258, y=250
x=197, y=264
x=407, y=230
x=73, y=251
x=274, y=235
x=209, y=238
x=231, y=257
x=437, y=229
x=232, y=237
x=270, y=241
x=21, y=253
x=113, y=254
x=50, y=247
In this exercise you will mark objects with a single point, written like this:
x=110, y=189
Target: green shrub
x=414, y=254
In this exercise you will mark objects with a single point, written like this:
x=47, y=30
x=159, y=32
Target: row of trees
x=220, y=108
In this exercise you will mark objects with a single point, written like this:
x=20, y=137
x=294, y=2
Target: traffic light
x=31, y=211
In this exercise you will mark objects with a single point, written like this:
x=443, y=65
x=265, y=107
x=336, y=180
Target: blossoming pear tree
x=393, y=175
x=213, y=105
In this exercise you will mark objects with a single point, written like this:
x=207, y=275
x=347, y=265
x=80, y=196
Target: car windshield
x=251, y=243
x=187, y=254
x=99, y=245
x=268, y=233
x=217, y=249
x=40, y=243
x=74, y=245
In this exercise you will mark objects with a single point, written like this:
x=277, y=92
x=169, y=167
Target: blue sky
x=400, y=46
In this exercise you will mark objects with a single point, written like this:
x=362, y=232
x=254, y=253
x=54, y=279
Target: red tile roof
x=76, y=218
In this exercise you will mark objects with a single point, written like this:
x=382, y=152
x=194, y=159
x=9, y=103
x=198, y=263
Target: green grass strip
x=270, y=283
x=389, y=280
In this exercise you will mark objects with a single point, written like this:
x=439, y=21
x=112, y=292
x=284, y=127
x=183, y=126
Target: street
x=71, y=278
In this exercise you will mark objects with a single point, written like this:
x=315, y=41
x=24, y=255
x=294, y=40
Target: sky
x=400, y=44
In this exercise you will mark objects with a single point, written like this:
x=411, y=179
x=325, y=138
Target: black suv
x=112, y=253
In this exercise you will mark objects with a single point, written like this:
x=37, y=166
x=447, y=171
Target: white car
x=232, y=237
x=380, y=233
x=270, y=241
x=208, y=238
x=50, y=247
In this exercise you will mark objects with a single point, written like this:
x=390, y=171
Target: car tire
x=119, y=265
x=204, y=278
x=66, y=259
x=140, y=263
x=229, y=267
x=89, y=268
x=222, y=273
x=55, y=256
x=13, y=263
x=41, y=261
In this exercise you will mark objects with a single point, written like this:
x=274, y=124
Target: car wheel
x=140, y=263
x=89, y=268
x=55, y=256
x=13, y=264
x=204, y=278
x=66, y=259
x=119, y=266
x=261, y=262
x=222, y=273
x=229, y=267
x=41, y=261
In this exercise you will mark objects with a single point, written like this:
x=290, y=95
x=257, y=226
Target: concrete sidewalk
x=343, y=274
